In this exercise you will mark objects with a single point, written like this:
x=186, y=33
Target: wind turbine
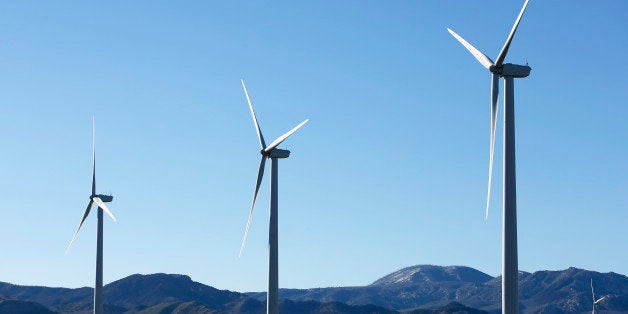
x=508, y=72
x=595, y=302
x=271, y=151
x=100, y=200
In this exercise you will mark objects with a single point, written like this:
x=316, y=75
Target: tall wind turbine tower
x=507, y=71
x=100, y=200
x=271, y=151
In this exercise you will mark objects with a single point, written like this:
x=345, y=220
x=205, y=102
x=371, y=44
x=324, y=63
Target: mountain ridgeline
x=417, y=289
x=430, y=287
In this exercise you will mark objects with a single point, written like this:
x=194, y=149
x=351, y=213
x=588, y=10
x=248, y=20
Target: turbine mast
x=510, y=271
x=272, y=303
x=98, y=302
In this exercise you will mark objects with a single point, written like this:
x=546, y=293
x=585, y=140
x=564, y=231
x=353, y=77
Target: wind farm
x=384, y=200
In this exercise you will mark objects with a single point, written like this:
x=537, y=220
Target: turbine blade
x=484, y=60
x=284, y=137
x=102, y=205
x=494, y=109
x=600, y=300
x=592, y=292
x=502, y=54
x=260, y=175
x=89, y=206
x=93, y=155
x=259, y=131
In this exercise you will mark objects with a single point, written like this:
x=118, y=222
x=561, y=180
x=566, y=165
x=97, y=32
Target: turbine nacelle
x=276, y=153
x=104, y=198
x=511, y=70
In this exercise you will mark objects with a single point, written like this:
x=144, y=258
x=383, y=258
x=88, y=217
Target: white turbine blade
x=600, y=300
x=260, y=175
x=259, y=131
x=484, y=60
x=89, y=206
x=494, y=109
x=102, y=205
x=592, y=292
x=284, y=137
x=502, y=54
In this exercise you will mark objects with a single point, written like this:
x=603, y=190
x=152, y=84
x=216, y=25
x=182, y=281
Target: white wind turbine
x=271, y=151
x=100, y=200
x=595, y=302
x=508, y=72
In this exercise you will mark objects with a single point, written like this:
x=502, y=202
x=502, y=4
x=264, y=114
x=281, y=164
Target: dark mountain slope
x=149, y=290
x=453, y=307
x=13, y=306
x=178, y=308
x=313, y=307
x=49, y=297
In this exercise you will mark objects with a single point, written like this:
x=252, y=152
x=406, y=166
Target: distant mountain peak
x=432, y=273
x=158, y=276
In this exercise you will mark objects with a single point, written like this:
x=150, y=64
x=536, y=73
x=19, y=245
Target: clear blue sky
x=390, y=171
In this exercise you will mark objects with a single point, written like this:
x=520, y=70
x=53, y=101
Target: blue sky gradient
x=390, y=171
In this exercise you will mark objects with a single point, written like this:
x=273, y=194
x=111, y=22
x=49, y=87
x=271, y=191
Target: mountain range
x=416, y=289
x=428, y=286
